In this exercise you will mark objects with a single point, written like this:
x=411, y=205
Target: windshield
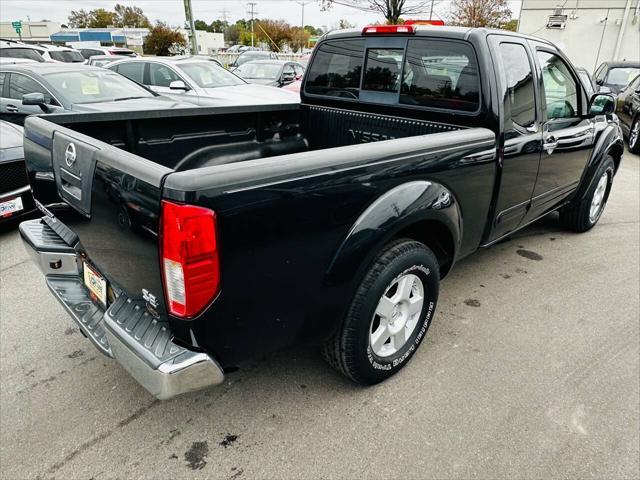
x=28, y=53
x=67, y=56
x=622, y=75
x=92, y=86
x=209, y=75
x=259, y=70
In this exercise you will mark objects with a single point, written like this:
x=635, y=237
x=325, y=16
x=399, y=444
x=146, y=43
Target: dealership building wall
x=588, y=31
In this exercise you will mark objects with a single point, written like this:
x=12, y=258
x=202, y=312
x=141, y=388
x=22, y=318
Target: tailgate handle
x=71, y=183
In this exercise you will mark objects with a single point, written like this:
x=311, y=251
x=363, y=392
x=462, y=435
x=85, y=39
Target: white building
x=31, y=32
x=588, y=31
x=208, y=42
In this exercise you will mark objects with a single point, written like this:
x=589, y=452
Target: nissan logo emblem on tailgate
x=70, y=155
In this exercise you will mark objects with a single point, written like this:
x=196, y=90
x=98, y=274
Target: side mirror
x=600, y=81
x=601, y=104
x=178, y=85
x=35, y=98
x=288, y=77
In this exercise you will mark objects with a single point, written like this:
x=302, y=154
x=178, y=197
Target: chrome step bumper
x=142, y=344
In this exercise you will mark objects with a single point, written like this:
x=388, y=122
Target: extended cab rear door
x=521, y=132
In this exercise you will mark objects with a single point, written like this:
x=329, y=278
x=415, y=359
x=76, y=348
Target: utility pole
x=302, y=4
x=223, y=12
x=188, y=12
x=252, y=12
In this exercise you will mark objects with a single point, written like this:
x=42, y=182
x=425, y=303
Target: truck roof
x=461, y=33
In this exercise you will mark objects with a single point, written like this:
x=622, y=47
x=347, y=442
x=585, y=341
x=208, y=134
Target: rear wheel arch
x=424, y=211
x=437, y=236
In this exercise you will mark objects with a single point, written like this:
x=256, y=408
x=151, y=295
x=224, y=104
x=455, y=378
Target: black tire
x=577, y=217
x=349, y=350
x=635, y=146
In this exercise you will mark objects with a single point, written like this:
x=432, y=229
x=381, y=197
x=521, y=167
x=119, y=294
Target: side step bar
x=142, y=344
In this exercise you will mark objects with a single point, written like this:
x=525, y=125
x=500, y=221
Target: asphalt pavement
x=531, y=369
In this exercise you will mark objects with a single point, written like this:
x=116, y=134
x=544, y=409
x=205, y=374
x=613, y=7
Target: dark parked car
x=329, y=222
x=15, y=193
x=616, y=75
x=628, y=111
x=274, y=73
x=251, y=55
x=34, y=88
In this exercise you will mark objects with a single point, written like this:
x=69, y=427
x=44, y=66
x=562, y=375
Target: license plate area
x=95, y=283
x=9, y=207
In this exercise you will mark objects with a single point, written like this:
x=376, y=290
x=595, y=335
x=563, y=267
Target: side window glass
x=20, y=85
x=133, y=70
x=561, y=94
x=2, y=77
x=440, y=74
x=161, y=75
x=519, y=94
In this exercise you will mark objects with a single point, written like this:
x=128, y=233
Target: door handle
x=12, y=109
x=550, y=143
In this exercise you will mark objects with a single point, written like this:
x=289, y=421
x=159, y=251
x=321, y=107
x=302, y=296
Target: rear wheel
x=634, y=136
x=389, y=315
x=583, y=215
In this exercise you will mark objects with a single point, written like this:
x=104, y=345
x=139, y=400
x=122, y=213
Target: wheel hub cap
x=597, y=202
x=397, y=314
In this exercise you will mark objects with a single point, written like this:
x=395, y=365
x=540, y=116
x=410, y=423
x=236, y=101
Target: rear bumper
x=125, y=331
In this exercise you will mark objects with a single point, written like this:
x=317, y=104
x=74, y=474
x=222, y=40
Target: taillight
x=387, y=29
x=190, y=262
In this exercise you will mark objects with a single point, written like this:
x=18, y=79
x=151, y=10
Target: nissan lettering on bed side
x=199, y=238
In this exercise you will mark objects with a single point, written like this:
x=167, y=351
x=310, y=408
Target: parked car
x=89, y=52
x=54, y=53
x=616, y=75
x=19, y=50
x=331, y=221
x=15, y=193
x=197, y=81
x=628, y=111
x=35, y=88
x=101, y=60
x=252, y=55
x=275, y=73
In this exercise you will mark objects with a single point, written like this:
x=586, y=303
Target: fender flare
x=609, y=140
x=399, y=208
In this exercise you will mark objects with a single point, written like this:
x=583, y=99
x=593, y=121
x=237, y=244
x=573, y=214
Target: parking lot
x=530, y=369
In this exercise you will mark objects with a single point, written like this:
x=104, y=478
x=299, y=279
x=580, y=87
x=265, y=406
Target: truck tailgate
x=117, y=195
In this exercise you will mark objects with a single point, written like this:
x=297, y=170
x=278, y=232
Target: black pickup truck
x=199, y=238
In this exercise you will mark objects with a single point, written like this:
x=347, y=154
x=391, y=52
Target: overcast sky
x=172, y=11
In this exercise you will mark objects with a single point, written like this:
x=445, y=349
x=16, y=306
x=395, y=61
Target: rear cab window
x=418, y=71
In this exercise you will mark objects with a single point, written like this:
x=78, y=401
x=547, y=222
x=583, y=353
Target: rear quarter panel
x=282, y=222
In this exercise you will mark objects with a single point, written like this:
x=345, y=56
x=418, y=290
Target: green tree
x=218, y=26
x=480, y=13
x=101, y=18
x=130, y=17
x=511, y=25
x=162, y=39
x=79, y=18
x=201, y=25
